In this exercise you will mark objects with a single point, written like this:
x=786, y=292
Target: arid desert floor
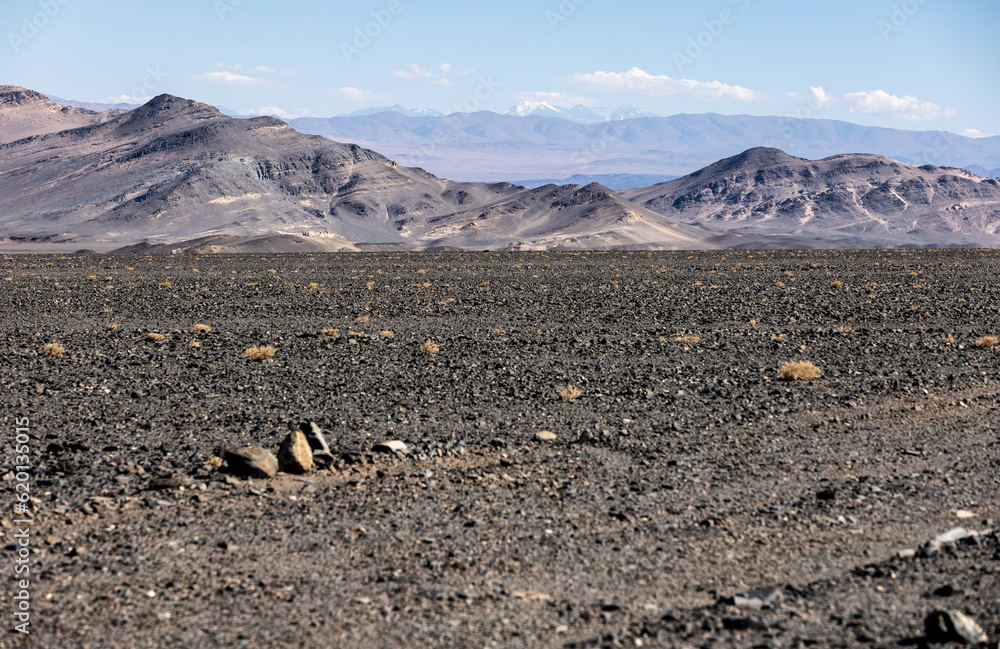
x=687, y=496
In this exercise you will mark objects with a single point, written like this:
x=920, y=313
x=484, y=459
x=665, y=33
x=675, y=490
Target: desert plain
x=600, y=448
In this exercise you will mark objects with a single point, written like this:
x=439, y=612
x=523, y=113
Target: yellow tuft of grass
x=261, y=353
x=201, y=329
x=154, y=336
x=313, y=286
x=165, y=285
x=370, y=286
x=688, y=338
x=780, y=338
x=111, y=327
x=272, y=271
x=430, y=348
x=385, y=333
x=799, y=371
x=363, y=319
x=332, y=333
x=950, y=340
x=986, y=342
x=91, y=278
x=53, y=349
x=569, y=392
x=485, y=284
x=195, y=344
x=844, y=329
x=837, y=284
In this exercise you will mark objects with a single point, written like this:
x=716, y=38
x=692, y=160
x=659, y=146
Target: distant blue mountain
x=487, y=146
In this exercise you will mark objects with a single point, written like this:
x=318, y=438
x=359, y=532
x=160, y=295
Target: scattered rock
x=322, y=456
x=757, y=598
x=252, y=462
x=170, y=483
x=392, y=446
x=964, y=513
x=953, y=626
x=295, y=454
x=531, y=595
x=545, y=436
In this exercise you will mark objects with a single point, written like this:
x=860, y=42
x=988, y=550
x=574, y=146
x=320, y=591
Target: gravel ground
x=682, y=478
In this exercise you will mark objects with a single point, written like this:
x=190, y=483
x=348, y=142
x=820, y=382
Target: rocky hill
x=870, y=199
x=175, y=170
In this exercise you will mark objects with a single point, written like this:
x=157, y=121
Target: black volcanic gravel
x=685, y=474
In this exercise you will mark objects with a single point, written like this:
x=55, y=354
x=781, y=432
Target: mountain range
x=175, y=174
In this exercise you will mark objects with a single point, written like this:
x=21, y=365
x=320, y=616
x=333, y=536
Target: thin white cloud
x=975, y=132
x=414, y=72
x=911, y=109
x=354, y=94
x=225, y=77
x=636, y=80
x=449, y=70
x=443, y=82
x=126, y=99
x=818, y=97
x=563, y=99
x=259, y=69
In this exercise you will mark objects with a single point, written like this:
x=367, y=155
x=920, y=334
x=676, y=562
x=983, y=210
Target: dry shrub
x=155, y=337
x=165, y=285
x=356, y=334
x=799, y=371
x=111, y=327
x=261, y=353
x=195, y=344
x=689, y=338
x=53, y=349
x=837, y=284
x=430, y=348
x=272, y=271
x=950, y=340
x=332, y=333
x=385, y=333
x=485, y=284
x=313, y=286
x=986, y=342
x=91, y=278
x=780, y=338
x=844, y=329
x=362, y=319
x=568, y=392
x=370, y=286
x=201, y=329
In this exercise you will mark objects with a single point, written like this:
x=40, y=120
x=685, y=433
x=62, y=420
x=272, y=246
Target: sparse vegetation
x=195, y=344
x=837, y=284
x=362, y=319
x=53, y=349
x=986, y=342
x=165, y=285
x=111, y=327
x=799, y=371
x=430, y=348
x=155, y=337
x=313, y=286
x=201, y=329
x=261, y=353
x=385, y=333
x=780, y=338
x=844, y=329
x=92, y=278
x=569, y=392
x=687, y=338
x=332, y=333
x=370, y=286
x=950, y=340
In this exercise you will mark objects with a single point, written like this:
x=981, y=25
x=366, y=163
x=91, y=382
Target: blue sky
x=917, y=64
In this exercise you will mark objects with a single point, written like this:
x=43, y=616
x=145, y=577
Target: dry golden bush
x=986, y=342
x=261, y=353
x=313, y=286
x=950, y=340
x=799, y=371
x=385, y=333
x=430, y=348
x=362, y=319
x=780, y=284
x=485, y=284
x=165, y=285
x=780, y=338
x=272, y=271
x=91, y=278
x=370, y=286
x=154, y=336
x=687, y=338
x=201, y=329
x=837, y=284
x=332, y=333
x=195, y=344
x=111, y=327
x=53, y=349
x=356, y=334
x=422, y=271
x=844, y=329
x=568, y=392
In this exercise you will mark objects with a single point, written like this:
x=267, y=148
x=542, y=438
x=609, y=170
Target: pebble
x=755, y=599
x=953, y=626
x=545, y=436
x=322, y=456
x=392, y=446
x=252, y=462
x=295, y=454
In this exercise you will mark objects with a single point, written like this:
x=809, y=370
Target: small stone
x=757, y=598
x=908, y=553
x=953, y=626
x=170, y=483
x=951, y=536
x=531, y=595
x=295, y=454
x=252, y=462
x=392, y=446
x=322, y=456
x=545, y=436
x=964, y=513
